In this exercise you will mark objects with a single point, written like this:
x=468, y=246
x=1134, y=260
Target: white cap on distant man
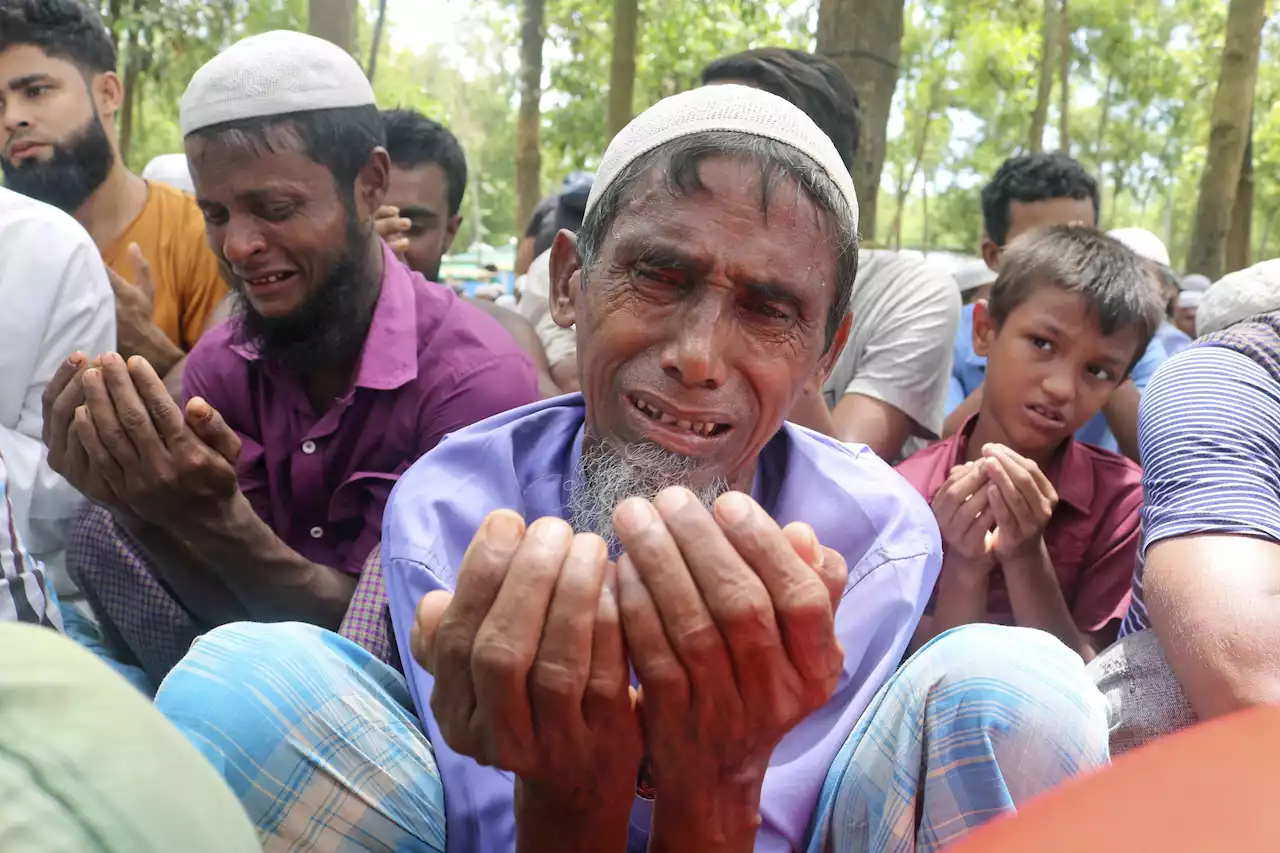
x=1239, y=296
x=1143, y=243
x=276, y=73
x=742, y=109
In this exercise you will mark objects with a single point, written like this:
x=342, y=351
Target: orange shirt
x=170, y=233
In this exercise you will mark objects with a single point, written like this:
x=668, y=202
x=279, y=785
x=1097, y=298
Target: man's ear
x=450, y=232
x=565, y=287
x=984, y=329
x=108, y=94
x=827, y=362
x=992, y=254
x=372, y=183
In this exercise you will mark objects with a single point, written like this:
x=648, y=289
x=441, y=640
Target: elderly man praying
x=655, y=615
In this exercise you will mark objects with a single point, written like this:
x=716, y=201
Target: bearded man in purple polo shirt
x=262, y=497
x=655, y=615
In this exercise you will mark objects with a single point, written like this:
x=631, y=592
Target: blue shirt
x=968, y=369
x=526, y=459
x=1209, y=433
x=1173, y=339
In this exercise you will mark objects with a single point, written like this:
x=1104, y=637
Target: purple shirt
x=525, y=460
x=431, y=364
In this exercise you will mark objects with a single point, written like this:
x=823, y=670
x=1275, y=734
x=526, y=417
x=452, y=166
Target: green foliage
x=1142, y=79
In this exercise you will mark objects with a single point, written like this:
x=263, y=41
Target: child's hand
x=1022, y=501
x=962, y=509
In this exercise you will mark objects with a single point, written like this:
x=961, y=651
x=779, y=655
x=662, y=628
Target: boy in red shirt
x=1039, y=530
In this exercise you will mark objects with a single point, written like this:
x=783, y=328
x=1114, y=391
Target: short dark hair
x=813, y=83
x=65, y=29
x=1116, y=284
x=415, y=140
x=1034, y=177
x=341, y=140
x=680, y=160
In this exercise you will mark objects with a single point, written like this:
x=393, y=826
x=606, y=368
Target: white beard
x=607, y=477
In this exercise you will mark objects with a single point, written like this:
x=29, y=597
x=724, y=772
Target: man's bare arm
x=866, y=420
x=962, y=413
x=173, y=376
x=1214, y=601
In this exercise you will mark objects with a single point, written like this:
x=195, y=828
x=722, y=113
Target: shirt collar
x=389, y=358
x=1069, y=470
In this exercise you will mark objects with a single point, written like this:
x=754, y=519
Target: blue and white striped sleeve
x=1209, y=434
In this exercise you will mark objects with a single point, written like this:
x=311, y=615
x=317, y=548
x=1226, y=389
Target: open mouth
x=1047, y=417
x=268, y=280
x=702, y=429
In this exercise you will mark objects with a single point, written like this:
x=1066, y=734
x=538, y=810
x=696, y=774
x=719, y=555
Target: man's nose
x=241, y=240
x=695, y=354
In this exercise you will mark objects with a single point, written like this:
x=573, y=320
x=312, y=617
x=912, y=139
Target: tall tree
x=1240, y=237
x=622, y=65
x=1064, y=64
x=864, y=37
x=528, y=152
x=1044, y=81
x=1228, y=136
x=378, y=27
x=333, y=20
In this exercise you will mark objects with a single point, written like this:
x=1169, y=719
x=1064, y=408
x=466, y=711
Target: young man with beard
x=761, y=581
x=59, y=95
x=262, y=497
x=424, y=212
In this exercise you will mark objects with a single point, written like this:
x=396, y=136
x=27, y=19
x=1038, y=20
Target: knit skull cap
x=741, y=109
x=276, y=73
x=1238, y=296
x=1195, y=282
x=1143, y=243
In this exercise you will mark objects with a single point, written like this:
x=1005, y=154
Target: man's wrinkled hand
x=530, y=669
x=729, y=622
x=164, y=464
x=62, y=397
x=1022, y=501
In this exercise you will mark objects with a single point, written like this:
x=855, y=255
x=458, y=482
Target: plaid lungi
x=319, y=740
x=143, y=621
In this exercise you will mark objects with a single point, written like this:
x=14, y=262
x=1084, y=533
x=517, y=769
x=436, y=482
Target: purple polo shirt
x=526, y=461
x=431, y=364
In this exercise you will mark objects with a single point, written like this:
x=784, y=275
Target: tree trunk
x=622, y=67
x=1044, y=86
x=1228, y=136
x=1064, y=65
x=864, y=37
x=334, y=21
x=1240, y=237
x=917, y=158
x=1104, y=115
x=924, y=206
x=528, y=155
x=378, y=27
x=132, y=80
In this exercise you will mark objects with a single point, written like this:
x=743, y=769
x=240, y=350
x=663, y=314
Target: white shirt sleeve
x=57, y=300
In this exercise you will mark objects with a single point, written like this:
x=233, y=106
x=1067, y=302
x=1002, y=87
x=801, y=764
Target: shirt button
x=308, y=447
x=317, y=532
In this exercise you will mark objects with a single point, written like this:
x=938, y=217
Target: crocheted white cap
x=727, y=107
x=1143, y=243
x=275, y=73
x=1195, y=282
x=1238, y=296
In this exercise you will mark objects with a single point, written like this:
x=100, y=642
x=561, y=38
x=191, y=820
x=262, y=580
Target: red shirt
x=1092, y=537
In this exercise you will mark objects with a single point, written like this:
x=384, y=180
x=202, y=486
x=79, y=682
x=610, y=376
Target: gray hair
x=680, y=160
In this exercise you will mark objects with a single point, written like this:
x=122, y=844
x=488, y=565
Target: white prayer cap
x=170, y=169
x=1238, y=296
x=742, y=109
x=276, y=73
x=973, y=274
x=1143, y=243
x=1190, y=299
x=1195, y=282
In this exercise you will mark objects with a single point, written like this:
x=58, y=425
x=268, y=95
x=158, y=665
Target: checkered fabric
x=368, y=619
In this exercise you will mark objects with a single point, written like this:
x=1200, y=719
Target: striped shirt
x=24, y=594
x=1209, y=434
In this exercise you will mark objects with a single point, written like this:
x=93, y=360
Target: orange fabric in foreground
x=1213, y=787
